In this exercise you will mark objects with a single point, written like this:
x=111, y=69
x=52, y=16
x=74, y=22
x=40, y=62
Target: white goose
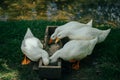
x=69, y=26
x=74, y=50
x=32, y=48
x=85, y=33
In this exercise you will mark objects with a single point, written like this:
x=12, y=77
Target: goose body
x=70, y=26
x=85, y=33
x=33, y=48
x=74, y=49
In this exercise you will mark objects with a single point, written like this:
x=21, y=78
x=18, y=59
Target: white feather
x=70, y=26
x=74, y=49
x=32, y=48
x=85, y=33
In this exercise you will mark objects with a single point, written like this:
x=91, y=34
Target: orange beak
x=57, y=39
x=25, y=61
x=50, y=41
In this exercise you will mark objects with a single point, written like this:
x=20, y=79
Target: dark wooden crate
x=52, y=71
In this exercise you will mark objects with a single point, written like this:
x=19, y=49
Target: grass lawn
x=103, y=64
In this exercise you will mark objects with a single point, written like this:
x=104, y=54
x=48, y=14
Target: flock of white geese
x=83, y=38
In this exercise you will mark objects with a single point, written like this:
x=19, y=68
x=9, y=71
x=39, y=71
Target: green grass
x=103, y=64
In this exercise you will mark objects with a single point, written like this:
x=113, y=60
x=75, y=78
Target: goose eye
x=53, y=36
x=58, y=35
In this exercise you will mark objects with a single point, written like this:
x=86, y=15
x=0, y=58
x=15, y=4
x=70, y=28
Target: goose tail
x=104, y=35
x=90, y=23
x=92, y=44
x=28, y=34
x=94, y=41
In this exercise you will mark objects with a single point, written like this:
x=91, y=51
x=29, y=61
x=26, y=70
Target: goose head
x=61, y=35
x=45, y=58
x=45, y=61
x=53, y=37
